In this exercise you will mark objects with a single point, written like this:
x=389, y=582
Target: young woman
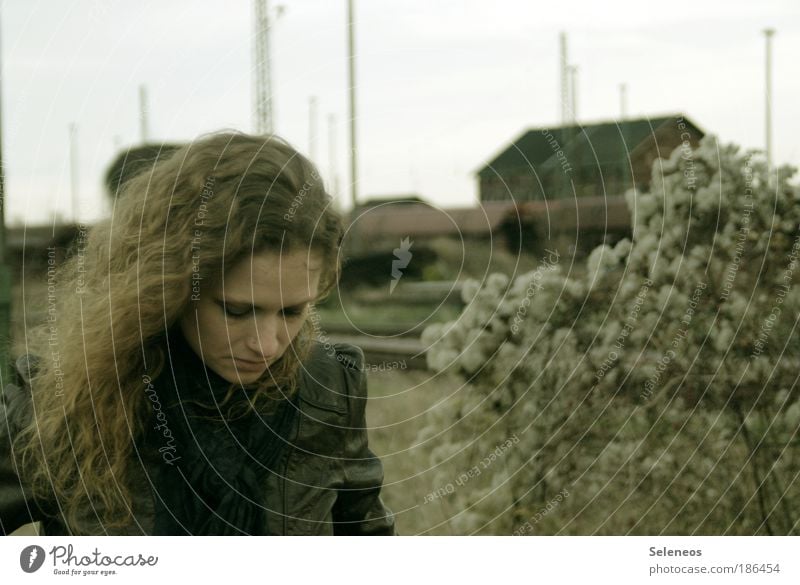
x=176, y=386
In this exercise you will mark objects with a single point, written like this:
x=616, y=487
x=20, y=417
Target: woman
x=176, y=384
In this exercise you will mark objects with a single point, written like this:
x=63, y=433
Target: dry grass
x=395, y=416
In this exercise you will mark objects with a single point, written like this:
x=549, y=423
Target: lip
x=248, y=365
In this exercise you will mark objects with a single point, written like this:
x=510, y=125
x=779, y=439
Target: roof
x=39, y=237
x=405, y=199
x=425, y=220
x=581, y=144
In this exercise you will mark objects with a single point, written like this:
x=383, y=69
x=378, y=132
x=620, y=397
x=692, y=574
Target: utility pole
x=564, y=70
x=573, y=86
x=263, y=106
x=143, y=113
x=623, y=114
x=351, y=69
x=73, y=169
x=312, y=128
x=5, y=272
x=332, y=160
x=768, y=32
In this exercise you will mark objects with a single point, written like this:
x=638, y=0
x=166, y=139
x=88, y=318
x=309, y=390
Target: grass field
x=400, y=400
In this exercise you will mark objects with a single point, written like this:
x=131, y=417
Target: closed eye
x=236, y=312
x=293, y=312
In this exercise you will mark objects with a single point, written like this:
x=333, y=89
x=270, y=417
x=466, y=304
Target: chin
x=234, y=376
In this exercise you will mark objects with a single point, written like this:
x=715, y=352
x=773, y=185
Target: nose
x=265, y=339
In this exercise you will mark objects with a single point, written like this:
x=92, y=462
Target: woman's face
x=243, y=324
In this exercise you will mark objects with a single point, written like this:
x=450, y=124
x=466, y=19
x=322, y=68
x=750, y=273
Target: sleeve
x=16, y=508
x=359, y=509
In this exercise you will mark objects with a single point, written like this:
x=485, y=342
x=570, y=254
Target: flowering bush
x=655, y=387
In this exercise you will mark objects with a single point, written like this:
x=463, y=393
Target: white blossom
x=623, y=378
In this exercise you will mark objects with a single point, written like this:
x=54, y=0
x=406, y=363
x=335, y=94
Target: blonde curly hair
x=131, y=281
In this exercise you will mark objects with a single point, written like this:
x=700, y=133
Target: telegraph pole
x=3, y=254
x=73, y=169
x=5, y=272
x=573, y=85
x=263, y=108
x=768, y=105
x=312, y=128
x=332, y=160
x=564, y=69
x=623, y=101
x=351, y=61
x=143, y=113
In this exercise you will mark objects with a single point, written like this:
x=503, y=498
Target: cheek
x=295, y=327
x=212, y=327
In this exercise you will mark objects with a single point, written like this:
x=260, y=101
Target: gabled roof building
x=601, y=159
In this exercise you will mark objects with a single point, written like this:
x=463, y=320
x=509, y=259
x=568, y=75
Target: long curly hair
x=222, y=197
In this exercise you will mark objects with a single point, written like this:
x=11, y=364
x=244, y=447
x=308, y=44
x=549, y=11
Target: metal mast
x=143, y=113
x=262, y=94
x=312, y=128
x=5, y=272
x=768, y=105
x=351, y=70
x=73, y=170
x=623, y=101
x=573, y=87
x=564, y=79
x=332, y=160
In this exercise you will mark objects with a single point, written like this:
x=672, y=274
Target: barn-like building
x=585, y=160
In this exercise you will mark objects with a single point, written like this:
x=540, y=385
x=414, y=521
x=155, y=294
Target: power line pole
x=73, y=169
x=564, y=70
x=352, y=80
x=332, y=160
x=143, y=113
x=573, y=86
x=623, y=101
x=2, y=178
x=768, y=105
x=262, y=94
x=312, y=128
x=5, y=272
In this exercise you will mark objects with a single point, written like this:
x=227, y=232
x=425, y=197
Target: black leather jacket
x=330, y=483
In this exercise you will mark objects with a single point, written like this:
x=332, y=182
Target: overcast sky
x=443, y=85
